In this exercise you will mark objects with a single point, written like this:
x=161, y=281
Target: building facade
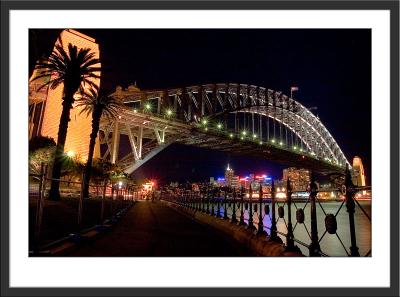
x=45, y=105
x=299, y=178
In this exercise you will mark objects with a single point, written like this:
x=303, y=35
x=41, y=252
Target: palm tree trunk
x=88, y=168
x=54, y=193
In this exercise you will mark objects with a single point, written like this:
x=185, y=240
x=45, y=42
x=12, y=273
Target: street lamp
x=70, y=154
x=169, y=112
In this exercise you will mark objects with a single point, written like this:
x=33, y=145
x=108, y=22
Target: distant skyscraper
x=358, y=172
x=229, y=174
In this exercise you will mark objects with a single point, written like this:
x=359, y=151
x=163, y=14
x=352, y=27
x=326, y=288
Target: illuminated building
x=299, y=178
x=45, y=105
x=358, y=172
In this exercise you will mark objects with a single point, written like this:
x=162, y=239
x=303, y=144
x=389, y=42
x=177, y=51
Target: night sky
x=331, y=67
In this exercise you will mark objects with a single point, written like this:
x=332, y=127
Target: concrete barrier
x=259, y=245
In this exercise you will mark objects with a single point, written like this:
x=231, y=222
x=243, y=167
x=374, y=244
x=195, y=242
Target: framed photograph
x=200, y=148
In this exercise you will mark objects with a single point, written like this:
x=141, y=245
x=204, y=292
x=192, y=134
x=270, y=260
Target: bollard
x=251, y=225
x=274, y=235
x=350, y=205
x=260, y=230
x=234, y=219
x=225, y=208
x=289, y=236
x=314, y=248
x=241, y=218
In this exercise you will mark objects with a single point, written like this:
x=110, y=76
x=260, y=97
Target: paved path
x=154, y=229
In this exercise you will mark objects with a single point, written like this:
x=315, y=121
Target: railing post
x=225, y=208
x=39, y=206
x=290, y=247
x=212, y=202
x=350, y=205
x=102, y=201
x=314, y=247
x=274, y=235
x=80, y=205
x=241, y=218
x=218, y=214
x=208, y=201
x=234, y=219
x=251, y=226
x=260, y=230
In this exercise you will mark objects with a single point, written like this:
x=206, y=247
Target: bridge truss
x=243, y=119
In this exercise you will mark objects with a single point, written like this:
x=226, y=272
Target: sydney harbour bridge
x=237, y=118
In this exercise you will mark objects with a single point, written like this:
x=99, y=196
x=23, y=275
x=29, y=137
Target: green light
x=204, y=122
x=254, y=136
x=147, y=106
x=295, y=147
x=281, y=143
x=231, y=135
x=219, y=126
x=301, y=150
x=273, y=140
x=244, y=132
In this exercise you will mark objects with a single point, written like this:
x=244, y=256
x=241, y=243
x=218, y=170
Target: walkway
x=154, y=229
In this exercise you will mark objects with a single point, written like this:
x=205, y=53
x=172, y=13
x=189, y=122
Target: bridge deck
x=153, y=229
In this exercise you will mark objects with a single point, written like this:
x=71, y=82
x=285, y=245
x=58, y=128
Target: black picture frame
x=392, y=6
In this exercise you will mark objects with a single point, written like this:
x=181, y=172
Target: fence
x=272, y=217
x=71, y=216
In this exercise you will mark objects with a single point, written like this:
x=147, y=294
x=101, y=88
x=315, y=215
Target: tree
x=74, y=69
x=98, y=104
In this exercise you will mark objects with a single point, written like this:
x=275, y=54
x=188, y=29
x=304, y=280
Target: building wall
x=79, y=127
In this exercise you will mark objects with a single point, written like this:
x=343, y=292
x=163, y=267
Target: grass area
x=60, y=218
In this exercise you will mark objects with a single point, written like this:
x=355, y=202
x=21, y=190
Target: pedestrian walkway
x=154, y=229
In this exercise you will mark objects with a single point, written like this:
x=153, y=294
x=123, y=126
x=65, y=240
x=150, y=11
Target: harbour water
x=331, y=244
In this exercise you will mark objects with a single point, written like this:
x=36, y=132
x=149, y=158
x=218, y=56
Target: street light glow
x=204, y=122
x=219, y=126
x=254, y=136
x=231, y=135
x=147, y=106
x=273, y=140
x=71, y=154
x=244, y=132
x=169, y=112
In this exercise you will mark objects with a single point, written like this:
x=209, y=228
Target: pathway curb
x=257, y=244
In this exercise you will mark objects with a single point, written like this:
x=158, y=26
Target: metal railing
x=73, y=215
x=294, y=222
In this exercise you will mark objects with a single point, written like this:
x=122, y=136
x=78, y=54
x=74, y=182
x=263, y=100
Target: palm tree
x=74, y=69
x=98, y=104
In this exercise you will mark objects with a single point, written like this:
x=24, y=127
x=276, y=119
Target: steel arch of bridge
x=191, y=106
